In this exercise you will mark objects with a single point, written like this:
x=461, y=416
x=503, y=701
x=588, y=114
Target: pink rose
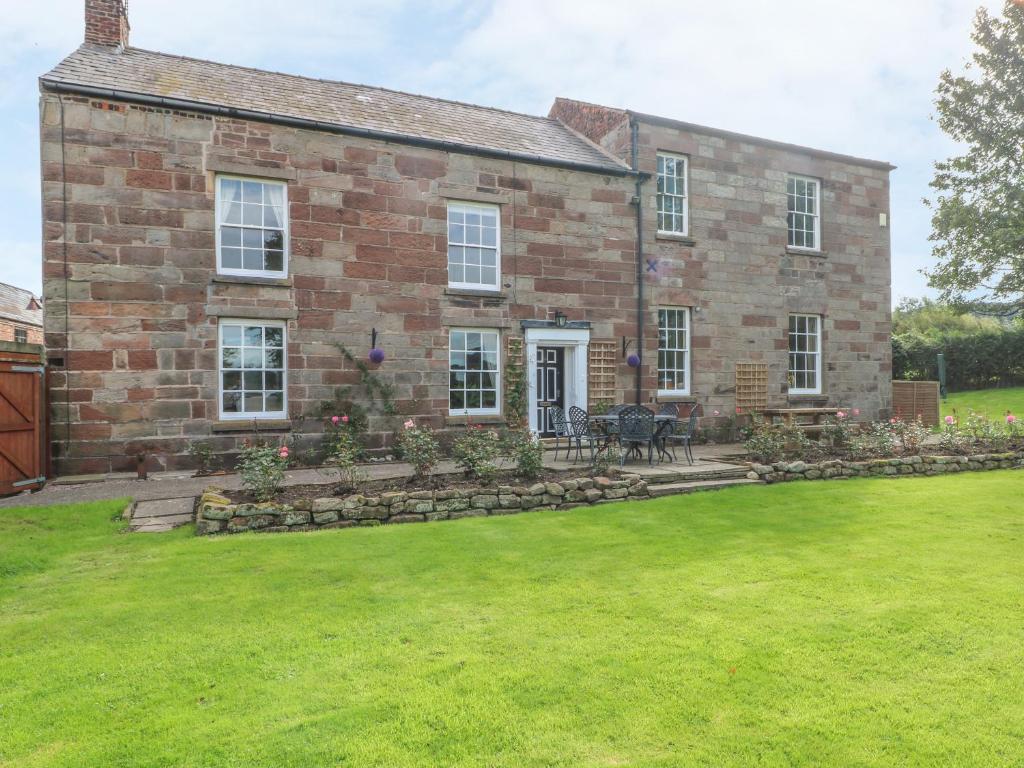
x=840, y=415
x=335, y=420
x=409, y=424
x=950, y=420
x=892, y=421
x=1010, y=418
x=283, y=453
x=717, y=413
x=856, y=411
x=344, y=419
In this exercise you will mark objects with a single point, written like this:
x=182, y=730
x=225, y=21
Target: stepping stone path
x=162, y=514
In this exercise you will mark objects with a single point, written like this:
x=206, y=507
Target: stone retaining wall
x=216, y=513
x=783, y=471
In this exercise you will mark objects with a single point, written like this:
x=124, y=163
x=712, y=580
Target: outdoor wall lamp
x=560, y=319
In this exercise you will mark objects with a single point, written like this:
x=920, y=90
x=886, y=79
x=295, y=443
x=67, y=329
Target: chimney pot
x=106, y=22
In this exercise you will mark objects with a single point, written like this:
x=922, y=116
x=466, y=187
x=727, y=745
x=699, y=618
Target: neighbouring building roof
x=179, y=82
x=16, y=304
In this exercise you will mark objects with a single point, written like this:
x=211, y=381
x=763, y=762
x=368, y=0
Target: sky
x=851, y=77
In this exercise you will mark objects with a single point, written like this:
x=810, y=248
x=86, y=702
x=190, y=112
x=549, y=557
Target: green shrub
x=476, y=450
x=527, y=451
x=977, y=359
x=344, y=448
x=203, y=454
x=261, y=468
x=908, y=436
x=606, y=457
x=839, y=429
x=763, y=441
x=419, y=447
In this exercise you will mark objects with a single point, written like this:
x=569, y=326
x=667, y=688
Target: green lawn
x=993, y=403
x=865, y=622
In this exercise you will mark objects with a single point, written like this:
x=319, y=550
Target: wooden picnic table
x=793, y=416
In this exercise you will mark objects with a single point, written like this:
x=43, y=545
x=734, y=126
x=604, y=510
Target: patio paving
x=178, y=486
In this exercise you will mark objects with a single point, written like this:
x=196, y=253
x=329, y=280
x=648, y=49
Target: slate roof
x=14, y=306
x=343, y=105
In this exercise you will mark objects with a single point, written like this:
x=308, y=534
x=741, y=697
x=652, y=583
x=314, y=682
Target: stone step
x=669, y=477
x=670, y=489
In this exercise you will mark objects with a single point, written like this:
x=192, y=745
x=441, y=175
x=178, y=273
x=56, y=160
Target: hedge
x=973, y=361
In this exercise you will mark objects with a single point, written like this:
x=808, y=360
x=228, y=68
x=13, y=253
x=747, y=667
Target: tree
x=932, y=318
x=978, y=212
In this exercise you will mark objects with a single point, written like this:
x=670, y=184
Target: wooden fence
x=22, y=418
x=913, y=399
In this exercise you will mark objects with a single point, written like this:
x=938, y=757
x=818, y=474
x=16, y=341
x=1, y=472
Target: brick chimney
x=106, y=22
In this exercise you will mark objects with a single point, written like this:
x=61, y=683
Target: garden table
x=661, y=421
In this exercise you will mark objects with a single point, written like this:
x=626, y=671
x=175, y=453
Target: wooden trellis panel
x=752, y=386
x=911, y=399
x=514, y=350
x=601, y=372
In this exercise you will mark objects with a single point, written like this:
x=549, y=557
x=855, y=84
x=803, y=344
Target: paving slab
x=162, y=514
x=180, y=485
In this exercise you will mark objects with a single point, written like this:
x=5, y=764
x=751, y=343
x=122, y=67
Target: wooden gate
x=22, y=419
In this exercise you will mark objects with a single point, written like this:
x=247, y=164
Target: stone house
x=215, y=236
x=21, y=315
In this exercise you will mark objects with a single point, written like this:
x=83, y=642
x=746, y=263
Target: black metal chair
x=676, y=433
x=581, y=432
x=668, y=409
x=611, y=428
x=560, y=426
x=636, y=428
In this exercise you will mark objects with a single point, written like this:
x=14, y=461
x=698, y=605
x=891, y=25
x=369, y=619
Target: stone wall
x=368, y=250
x=134, y=319
x=216, y=514
x=784, y=471
x=735, y=270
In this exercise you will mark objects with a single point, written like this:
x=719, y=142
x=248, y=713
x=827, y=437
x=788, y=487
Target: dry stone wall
x=784, y=471
x=216, y=514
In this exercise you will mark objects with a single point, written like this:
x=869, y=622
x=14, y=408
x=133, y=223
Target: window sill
x=493, y=418
x=251, y=425
x=790, y=251
x=483, y=293
x=284, y=282
x=675, y=397
x=806, y=396
x=675, y=238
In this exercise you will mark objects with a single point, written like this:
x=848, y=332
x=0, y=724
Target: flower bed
x=783, y=471
x=216, y=513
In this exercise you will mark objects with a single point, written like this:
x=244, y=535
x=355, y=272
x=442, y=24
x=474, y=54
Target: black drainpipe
x=635, y=162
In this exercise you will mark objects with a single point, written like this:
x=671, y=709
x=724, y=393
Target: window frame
x=251, y=415
x=496, y=410
x=818, y=354
x=816, y=215
x=688, y=356
x=469, y=204
x=218, y=225
x=685, y=177
x=23, y=332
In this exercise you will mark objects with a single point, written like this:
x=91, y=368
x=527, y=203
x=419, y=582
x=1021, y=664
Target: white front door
x=572, y=344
